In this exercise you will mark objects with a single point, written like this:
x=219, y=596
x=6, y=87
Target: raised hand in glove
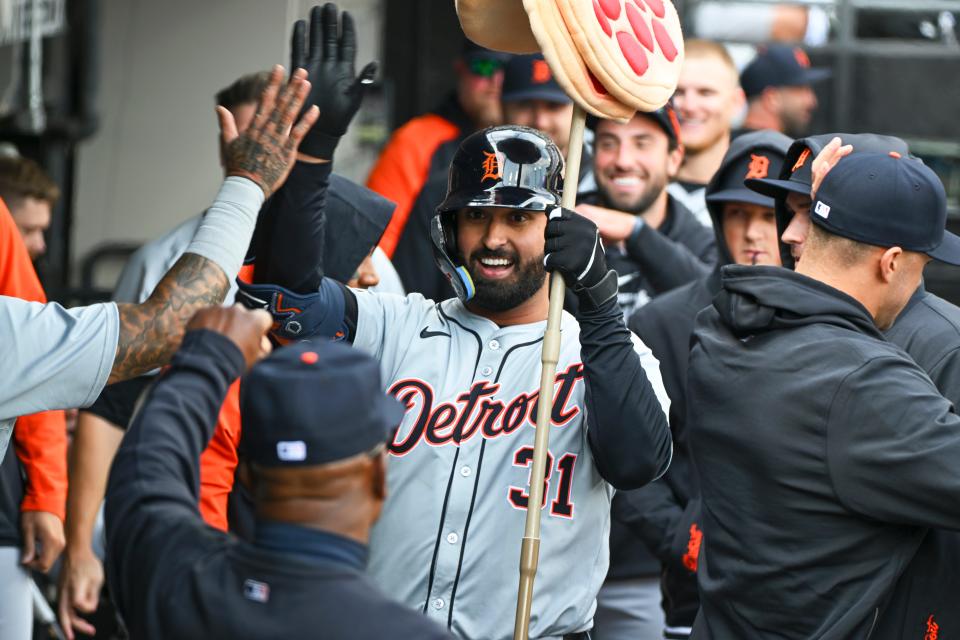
x=574, y=250
x=335, y=87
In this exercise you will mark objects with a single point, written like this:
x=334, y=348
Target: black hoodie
x=928, y=329
x=825, y=469
x=665, y=514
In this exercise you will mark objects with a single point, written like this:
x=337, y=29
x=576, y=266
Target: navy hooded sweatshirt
x=825, y=472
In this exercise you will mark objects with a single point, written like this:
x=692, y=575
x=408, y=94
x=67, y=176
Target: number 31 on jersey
x=562, y=505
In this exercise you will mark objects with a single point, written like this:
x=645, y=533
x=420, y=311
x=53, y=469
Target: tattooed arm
x=150, y=332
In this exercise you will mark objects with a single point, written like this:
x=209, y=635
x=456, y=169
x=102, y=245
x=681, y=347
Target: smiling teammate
x=707, y=99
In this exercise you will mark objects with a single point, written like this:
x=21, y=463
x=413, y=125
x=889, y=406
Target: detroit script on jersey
x=448, y=540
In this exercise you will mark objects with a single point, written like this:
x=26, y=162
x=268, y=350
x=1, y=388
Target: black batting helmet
x=511, y=166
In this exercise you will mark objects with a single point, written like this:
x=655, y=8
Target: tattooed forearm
x=151, y=332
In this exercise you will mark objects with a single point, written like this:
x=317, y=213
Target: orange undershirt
x=40, y=440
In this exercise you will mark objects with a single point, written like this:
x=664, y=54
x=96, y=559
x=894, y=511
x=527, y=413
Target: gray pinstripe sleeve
x=52, y=357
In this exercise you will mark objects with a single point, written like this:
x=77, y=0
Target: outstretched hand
x=826, y=160
x=336, y=88
x=265, y=152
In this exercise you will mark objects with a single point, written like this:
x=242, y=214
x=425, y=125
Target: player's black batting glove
x=573, y=249
x=335, y=87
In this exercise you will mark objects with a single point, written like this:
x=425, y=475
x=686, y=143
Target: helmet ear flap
x=448, y=221
x=443, y=233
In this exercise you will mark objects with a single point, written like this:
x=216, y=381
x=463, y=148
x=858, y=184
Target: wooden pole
x=530, y=548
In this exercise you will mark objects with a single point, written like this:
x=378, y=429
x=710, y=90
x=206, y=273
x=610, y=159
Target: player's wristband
x=592, y=298
x=226, y=228
x=298, y=316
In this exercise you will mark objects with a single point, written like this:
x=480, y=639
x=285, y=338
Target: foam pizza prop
x=501, y=25
x=612, y=57
x=631, y=46
x=568, y=65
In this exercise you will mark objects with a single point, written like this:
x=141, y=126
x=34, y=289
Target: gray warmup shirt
x=53, y=358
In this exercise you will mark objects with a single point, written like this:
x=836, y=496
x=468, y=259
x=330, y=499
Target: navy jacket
x=817, y=500
x=172, y=576
x=926, y=596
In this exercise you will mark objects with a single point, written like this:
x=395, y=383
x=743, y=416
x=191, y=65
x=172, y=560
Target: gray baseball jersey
x=53, y=358
x=448, y=540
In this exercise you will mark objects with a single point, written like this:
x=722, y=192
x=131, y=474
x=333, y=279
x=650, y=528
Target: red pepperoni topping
x=632, y=53
x=666, y=43
x=640, y=27
x=657, y=6
x=602, y=19
x=597, y=85
x=611, y=8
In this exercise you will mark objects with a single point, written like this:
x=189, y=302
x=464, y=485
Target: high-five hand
x=266, y=150
x=336, y=89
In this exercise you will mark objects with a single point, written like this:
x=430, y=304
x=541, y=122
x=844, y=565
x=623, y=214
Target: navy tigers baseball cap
x=665, y=117
x=886, y=200
x=796, y=175
x=529, y=77
x=779, y=65
x=752, y=156
x=313, y=403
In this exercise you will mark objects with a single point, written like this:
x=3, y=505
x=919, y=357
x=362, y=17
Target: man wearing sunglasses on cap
x=412, y=170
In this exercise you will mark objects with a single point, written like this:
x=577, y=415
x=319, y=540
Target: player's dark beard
x=794, y=125
x=502, y=295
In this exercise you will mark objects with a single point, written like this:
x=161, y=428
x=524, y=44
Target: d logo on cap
x=802, y=160
x=759, y=167
x=541, y=72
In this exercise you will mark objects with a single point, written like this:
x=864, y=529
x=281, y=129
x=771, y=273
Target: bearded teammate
x=467, y=371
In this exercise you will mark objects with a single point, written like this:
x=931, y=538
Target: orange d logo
x=759, y=167
x=802, y=58
x=541, y=72
x=491, y=166
x=802, y=160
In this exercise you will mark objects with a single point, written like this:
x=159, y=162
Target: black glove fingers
x=316, y=31
x=552, y=245
x=347, y=49
x=555, y=228
x=330, y=36
x=297, y=58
